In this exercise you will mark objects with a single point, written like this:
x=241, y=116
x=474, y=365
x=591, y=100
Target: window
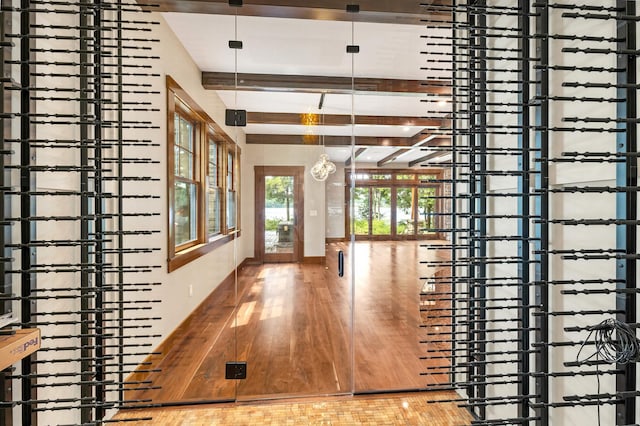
x=203, y=180
x=405, y=177
x=214, y=196
x=425, y=178
x=397, y=205
x=379, y=176
x=231, y=190
x=185, y=181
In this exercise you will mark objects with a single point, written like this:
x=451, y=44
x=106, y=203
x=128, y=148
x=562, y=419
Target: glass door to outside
x=279, y=222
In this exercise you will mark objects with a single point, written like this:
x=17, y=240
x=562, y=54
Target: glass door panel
x=361, y=223
x=380, y=213
x=385, y=220
x=279, y=215
x=405, y=212
x=427, y=211
x=293, y=320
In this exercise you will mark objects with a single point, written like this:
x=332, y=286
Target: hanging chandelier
x=323, y=168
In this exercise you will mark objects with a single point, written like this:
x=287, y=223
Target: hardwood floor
x=292, y=326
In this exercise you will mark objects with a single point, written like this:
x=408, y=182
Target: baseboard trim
x=335, y=240
x=249, y=261
x=316, y=260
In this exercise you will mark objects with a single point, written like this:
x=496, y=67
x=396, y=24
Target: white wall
x=205, y=273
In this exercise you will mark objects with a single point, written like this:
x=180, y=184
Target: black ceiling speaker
x=236, y=117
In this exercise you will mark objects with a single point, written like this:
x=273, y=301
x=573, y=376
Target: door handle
x=341, y=263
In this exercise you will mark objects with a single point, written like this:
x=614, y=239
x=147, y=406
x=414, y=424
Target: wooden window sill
x=185, y=256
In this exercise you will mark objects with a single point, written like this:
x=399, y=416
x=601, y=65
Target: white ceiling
x=317, y=47
x=411, y=105
x=304, y=47
x=374, y=154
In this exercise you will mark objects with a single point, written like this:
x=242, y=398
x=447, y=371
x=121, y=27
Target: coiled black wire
x=615, y=341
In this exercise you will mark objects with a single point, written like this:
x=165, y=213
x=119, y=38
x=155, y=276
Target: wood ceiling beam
x=363, y=141
x=421, y=160
x=420, y=139
x=435, y=142
x=319, y=84
x=392, y=157
x=427, y=157
x=357, y=154
x=340, y=120
x=438, y=142
x=328, y=140
x=382, y=11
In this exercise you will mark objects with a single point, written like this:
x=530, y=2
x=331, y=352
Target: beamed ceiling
x=295, y=78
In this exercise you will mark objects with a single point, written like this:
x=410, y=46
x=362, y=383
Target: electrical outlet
x=190, y=290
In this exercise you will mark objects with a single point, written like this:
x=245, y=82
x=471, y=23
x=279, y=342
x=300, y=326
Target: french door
x=395, y=205
x=293, y=318
x=279, y=221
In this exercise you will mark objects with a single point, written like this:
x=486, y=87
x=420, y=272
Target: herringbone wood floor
x=418, y=409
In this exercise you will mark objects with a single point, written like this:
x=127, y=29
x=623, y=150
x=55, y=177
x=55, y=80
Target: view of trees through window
x=279, y=214
x=410, y=206
x=426, y=210
x=373, y=208
x=278, y=200
x=186, y=201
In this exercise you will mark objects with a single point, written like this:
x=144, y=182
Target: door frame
x=298, y=213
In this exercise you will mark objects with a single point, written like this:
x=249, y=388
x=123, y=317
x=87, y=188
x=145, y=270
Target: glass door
x=392, y=212
x=279, y=221
x=319, y=208
x=427, y=211
x=293, y=317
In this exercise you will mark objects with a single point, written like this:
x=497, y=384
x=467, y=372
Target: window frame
x=206, y=130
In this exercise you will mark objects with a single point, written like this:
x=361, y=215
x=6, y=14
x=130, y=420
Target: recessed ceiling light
x=406, y=128
x=442, y=102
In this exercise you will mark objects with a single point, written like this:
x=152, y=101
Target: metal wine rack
x=543, y=208
x=78, y=188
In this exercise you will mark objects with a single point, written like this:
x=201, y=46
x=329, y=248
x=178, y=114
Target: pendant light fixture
x=323, y=167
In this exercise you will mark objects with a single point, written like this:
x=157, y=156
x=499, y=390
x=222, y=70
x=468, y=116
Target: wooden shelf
x=14, y=347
